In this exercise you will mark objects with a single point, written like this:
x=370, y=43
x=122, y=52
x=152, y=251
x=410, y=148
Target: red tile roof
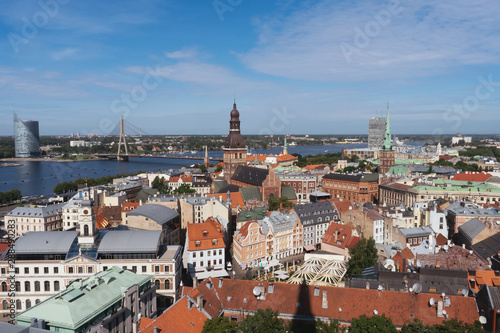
x=455, y=258
x=441, y=240
x=236, y=199
x=472, y=176
x=407, y=253
x=341, y=206
x=344, y=236
x=204, y=234
x=128, y=206
x=3, y=246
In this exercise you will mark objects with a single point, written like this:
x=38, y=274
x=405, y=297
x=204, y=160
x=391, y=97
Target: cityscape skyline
x=312, y=68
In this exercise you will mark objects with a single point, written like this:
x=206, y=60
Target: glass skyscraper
x=27, y=138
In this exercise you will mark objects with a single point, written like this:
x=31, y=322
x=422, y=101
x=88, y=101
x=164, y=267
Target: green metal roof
x=83, y=301
x=252, y=214
x=251, y=193
x=288, y=192
x=399, y=170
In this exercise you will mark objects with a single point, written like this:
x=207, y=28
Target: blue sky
x=312, y=67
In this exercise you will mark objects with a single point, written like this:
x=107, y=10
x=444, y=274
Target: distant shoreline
x=41, y=159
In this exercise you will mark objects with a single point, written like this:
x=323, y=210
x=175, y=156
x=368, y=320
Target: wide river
x=40, y=177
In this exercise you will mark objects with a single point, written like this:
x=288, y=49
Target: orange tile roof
x=236, y=199
x=256, y=158
x=341, y=206
x=407, y=253
x=129, y=205
x=344, y=235
x=205, y=233
x=472, y=176
x=286, y=157
x=341, y=303
x=145, y=321
x=441, y=240
x=312, y=166
x=3, y=246
x=482, y=277
x=102, y=222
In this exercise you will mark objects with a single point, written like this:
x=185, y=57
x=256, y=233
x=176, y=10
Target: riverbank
x=42, y=159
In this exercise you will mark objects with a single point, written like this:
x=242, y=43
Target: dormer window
x=198, y=243
x=205, y=233
x=214, y=241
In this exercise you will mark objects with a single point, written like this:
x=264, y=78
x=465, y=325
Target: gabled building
x=368, y=222
x=266, y=180
x=249, y=244
x=283, y=233
x=110, y=301
x=205, y=250
x=339, y=238
x=198, y=209
x=315, y=219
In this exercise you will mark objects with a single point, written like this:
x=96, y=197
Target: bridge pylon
x=120, y=157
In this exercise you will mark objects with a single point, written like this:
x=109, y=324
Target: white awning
x=213, y=273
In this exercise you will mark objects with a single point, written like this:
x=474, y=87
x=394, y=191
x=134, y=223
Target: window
x=167, y=284
x=157, y=269
x=167, y=268
x=18, y=286
x=134, y=269
x=4, y=271
x=36, y=270
x=56, y=285
x=90, y=270
x=46, y=286
x=27, y=286
x=157, y=284
x=45, y=270
x=26, y=270
x=194, y=254
x=71, y=270
x=37, y=286
x=80, y=270
x=56, y=270
x=105, y=268
x=144, y=269
x=18, y=304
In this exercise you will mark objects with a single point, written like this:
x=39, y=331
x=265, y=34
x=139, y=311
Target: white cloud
x=59, y=55
x=185, y=53
x=422, y=38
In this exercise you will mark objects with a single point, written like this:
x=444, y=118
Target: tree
x=331, y=327
x=161, y=185
x=219, y=168
x=274, y=203
x=219, y=325
x=263, y=321
x=362, y=255
x=374, y=324
x=184, y=188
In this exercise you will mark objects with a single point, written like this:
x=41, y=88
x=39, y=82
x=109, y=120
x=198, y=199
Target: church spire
x=285, y=148
x=387, y=135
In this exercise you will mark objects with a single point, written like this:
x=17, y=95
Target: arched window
x=18, y=304
x=56, y=285
x=167, y=284
x=37, y=301
x=37, y=285
x=157, y=284
x=86, y=230
x=28, y=303
x=4, y=286
x=27, y=286
x=46, y=285
x=80, y=270
x=5, y=304
x=18, y=286
x=89, y=270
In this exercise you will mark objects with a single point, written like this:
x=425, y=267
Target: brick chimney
x=199, y=301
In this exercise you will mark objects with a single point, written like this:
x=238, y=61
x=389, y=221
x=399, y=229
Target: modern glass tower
x=27, y=138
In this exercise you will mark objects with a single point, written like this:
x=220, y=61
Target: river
x=40, y=177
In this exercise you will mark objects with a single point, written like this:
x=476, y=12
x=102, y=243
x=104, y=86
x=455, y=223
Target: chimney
x=195, y=282
x=220, y=282
x=41, y=324
x=437, y=263
x=155, y=329
x=33, y=321
x=324, y=303
x=199, y=300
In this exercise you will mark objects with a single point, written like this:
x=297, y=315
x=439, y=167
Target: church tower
x=235, y=151
x=87, y=222
x=386, y=154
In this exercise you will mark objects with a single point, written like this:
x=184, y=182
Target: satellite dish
x=444, y=312
x=464, y=292
x=482, y=320
x=340, y=309
x=380, y=287
x=256, y=291
x=443, y=295
x=375, y=312
x=410, y=290
x=432, y=302
x=417, y=288
x=419, y=263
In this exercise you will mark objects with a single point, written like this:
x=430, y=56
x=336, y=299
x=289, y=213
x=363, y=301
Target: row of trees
x=72, y=186
x=268, y=321
x=461, y=166
x=162, y=186
x=10, y=196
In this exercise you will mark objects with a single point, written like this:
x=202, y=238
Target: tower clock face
x=237, y=143
x=85, y=212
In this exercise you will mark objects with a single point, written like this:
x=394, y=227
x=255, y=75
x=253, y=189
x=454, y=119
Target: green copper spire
x=387, y=135
x=285, y=148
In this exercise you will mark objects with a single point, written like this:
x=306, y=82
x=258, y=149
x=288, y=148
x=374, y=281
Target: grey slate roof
x=277, y=222
x=230, y=187
x=56, y=242
x=471, y=228
x=487, y=247
x=249, y=175
x=144, y=194
x=469, y=208
x=416, y=232
x=127, y=241
x=360, y=177
x=9, y=328
x=50, y=210
x=218, y=184
x=252, y=214
x=310, y=214
x=158, y=213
